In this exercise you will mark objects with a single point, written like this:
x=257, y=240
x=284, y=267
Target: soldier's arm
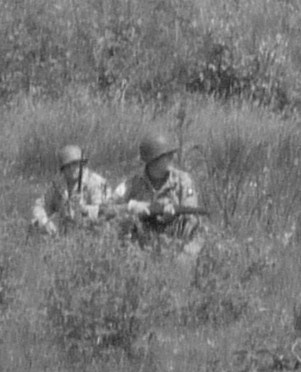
x=188, y=198
x=100, y=193
x=188, y=193
x=125, y=197
x=44, y=207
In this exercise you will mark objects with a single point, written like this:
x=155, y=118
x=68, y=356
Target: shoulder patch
x=190, y=191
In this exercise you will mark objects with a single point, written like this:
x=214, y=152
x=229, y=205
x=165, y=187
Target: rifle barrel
x=157, y=209
x=192, y=210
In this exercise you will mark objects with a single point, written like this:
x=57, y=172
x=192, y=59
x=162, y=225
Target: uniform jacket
x=179, y=190
x=94, y=192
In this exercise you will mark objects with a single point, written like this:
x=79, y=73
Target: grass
x=90, y=302
x=148, y=51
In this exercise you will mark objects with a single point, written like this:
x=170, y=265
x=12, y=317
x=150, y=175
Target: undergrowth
x=91, y=300
x=149, y=51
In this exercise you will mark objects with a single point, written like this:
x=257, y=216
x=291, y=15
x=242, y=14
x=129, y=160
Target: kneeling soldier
x=160, y=184
x=76, y=192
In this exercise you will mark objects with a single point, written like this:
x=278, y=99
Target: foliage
x=254, y=181
x=92, y=301
x=151, y=50
x=89, y=300
x=103, y=295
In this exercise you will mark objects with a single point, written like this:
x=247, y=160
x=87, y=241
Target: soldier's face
x=159, y=167
x=71, y=172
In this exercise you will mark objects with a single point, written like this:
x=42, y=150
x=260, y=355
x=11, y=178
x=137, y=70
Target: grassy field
x=150, y=50
x=223, y=78
x=92, y=302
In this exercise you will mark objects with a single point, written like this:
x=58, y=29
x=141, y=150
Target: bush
x=92, y=301
x=150, y=50
x=103, y=295
x=249, y=181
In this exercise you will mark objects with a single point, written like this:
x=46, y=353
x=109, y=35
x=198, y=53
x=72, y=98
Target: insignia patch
x=189, y=192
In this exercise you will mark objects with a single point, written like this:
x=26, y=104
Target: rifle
x=157, y=209
x=80, y=176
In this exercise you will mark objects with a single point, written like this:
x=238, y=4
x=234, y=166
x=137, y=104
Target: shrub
x=150, y=50
x=245, y=176
x=103, y=295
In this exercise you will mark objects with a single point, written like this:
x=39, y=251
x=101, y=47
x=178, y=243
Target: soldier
x=77, y=191
x=161, y=183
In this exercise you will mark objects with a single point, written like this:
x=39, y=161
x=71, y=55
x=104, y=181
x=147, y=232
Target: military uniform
x=64, y=201
x=58, y=199
x=161, y=183
x=178, y=190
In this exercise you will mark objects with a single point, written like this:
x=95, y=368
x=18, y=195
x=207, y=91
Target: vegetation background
x=223, y=77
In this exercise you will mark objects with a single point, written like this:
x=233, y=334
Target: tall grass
x=85, y=302
x=91, y=301
x=151, y=50
x=99, y=74
x=244, y=160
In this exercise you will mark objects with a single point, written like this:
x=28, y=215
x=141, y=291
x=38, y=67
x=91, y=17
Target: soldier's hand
x=168, y=212
x=77, y=204
x=50, y=228
x=139, y=207
x=76, y=200
x=169, y=209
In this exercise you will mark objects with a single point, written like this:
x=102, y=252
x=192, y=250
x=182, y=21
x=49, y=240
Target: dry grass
x=238, y=313
x=150, y=50
x=90, y=302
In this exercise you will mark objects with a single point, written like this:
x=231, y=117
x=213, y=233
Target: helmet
x=70, y=154
x=153, y=146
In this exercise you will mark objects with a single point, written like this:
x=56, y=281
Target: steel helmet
x=70, y=154
x=153, y=146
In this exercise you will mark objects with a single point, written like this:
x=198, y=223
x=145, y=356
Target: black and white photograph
x=150, y=189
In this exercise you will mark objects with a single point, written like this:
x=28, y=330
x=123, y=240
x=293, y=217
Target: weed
x=90, y=301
